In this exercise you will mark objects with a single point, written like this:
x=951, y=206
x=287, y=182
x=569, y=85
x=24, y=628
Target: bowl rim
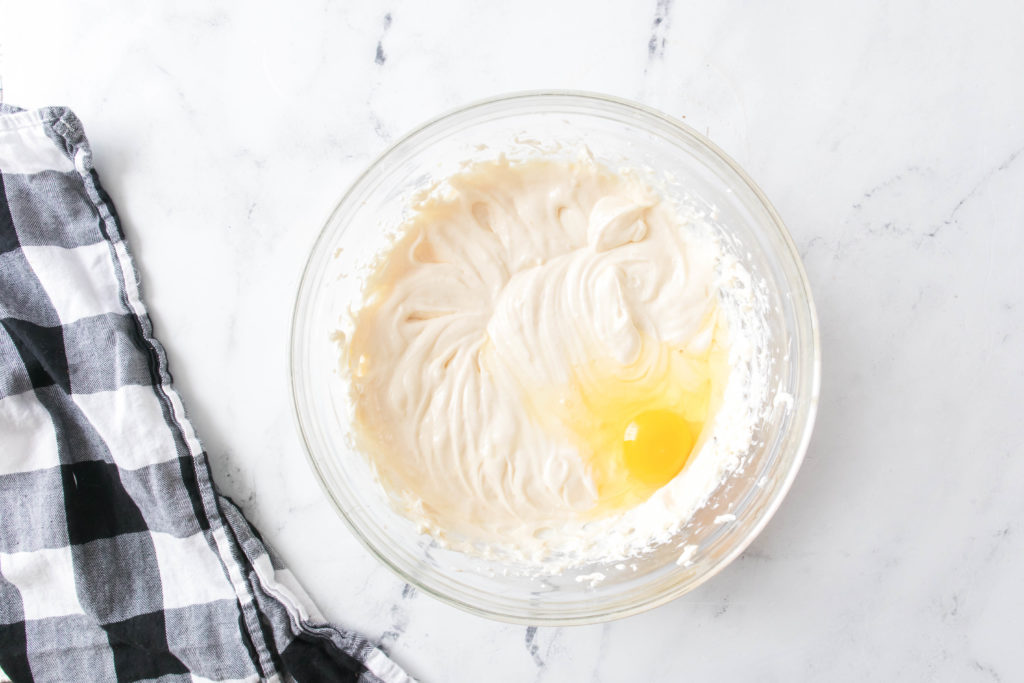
x=806, y=297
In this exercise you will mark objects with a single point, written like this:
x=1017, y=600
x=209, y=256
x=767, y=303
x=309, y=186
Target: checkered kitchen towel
x=118, y=559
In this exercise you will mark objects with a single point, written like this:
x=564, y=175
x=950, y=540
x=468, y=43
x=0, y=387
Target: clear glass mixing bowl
x=618, y=133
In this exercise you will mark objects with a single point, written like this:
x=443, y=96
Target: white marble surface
x=890, y=137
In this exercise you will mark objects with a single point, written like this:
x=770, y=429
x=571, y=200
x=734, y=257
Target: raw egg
x=637, y=427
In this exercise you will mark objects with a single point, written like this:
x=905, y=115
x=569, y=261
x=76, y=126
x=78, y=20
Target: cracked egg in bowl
x=554, y=358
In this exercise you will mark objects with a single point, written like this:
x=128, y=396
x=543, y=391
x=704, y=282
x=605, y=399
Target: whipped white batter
x=524, y=308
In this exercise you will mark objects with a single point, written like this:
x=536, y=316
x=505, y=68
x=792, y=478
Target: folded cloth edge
x=243, y=555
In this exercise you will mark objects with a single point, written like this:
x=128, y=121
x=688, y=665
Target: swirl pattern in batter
x=542, y=348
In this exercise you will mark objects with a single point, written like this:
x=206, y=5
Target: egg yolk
x=656, y=445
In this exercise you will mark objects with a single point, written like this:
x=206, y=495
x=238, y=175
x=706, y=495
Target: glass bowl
x=618, y=133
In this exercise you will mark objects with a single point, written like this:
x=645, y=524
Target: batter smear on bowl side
x=544, y=361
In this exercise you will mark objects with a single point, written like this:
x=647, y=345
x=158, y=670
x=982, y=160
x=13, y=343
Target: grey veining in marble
x=888, y=135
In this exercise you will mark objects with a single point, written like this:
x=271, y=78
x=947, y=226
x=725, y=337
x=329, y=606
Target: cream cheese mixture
x=552, y=361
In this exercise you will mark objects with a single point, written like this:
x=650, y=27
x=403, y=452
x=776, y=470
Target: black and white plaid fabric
x=118, y=559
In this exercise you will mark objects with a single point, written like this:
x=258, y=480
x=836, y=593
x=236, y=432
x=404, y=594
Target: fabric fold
x=118, y=558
